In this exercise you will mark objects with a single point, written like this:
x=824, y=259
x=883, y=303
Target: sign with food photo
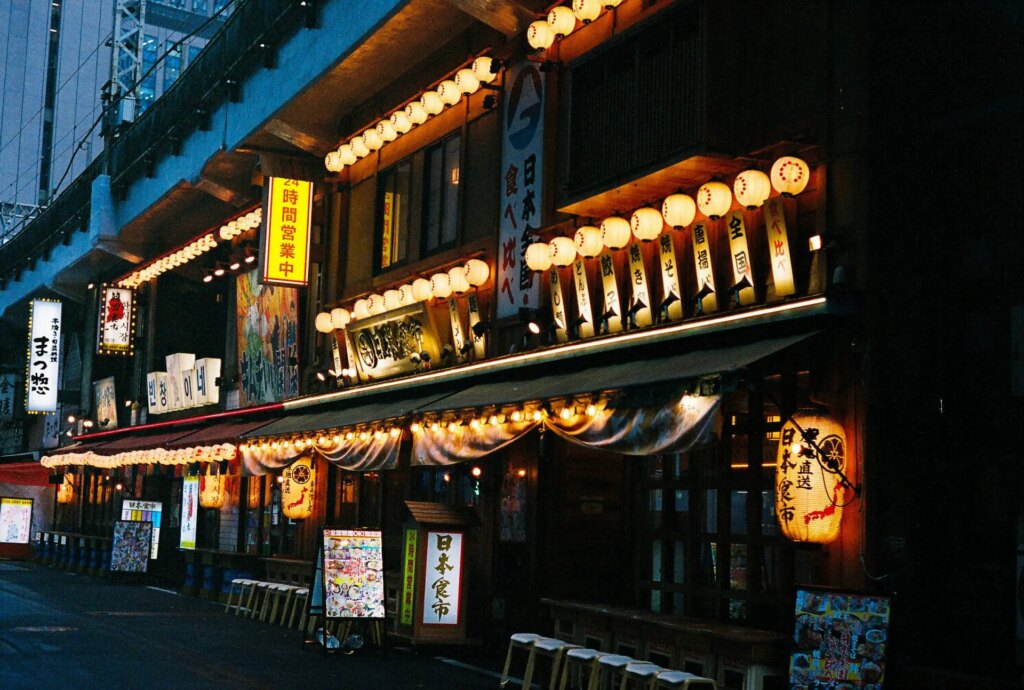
x=353, y=570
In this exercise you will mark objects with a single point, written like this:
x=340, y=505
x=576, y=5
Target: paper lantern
x=332, y=161
x=751, y=188
x=714, y=199
x=611, y=4
x=646, y=223
x=457, y=280
x=421, y=290
x=298, y=489
x=466, y=80
x=406, y=296
x=562, y=21
x=359, y=147
x=385, y=131
x=809, y=495
x=679, y=210
x=449, y=93
x=66, y=489
x=588, y=241
x=340, y=318
x=586, y=10
x=563, y=251
x=372, y=140
x=392, y=300
x=539, y=35
x=400, y=121
x=211, y=490
x=323, y=322
x=416, y=113
x=431, y=102
x=440, y=285
x=615, y=232
x=538, y=256
x=483, y=69
x=477, y=272
x=375, y=304
x=361, y=309
x=790, y=175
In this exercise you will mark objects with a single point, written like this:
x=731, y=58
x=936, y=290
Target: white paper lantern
x=400, y=122
x=588, y=241
x=563, y=251
x=467, y=82
x=751, y=188
x=385, y=131
x=449, y=93
x=440, y=285
x=340, y=318
x=611, y=4
x=457, y=280
x=482, y=69
x=586, y=10
x=416, y=113
x=359, y=147
x=679, y=210
x=421, y=290
x=323, y=322
x=714, y=199
x=431, y=102
x=405, y=295
x=372, y=139
x=646, y=223
x=392, y=300
x=538, y=256
x=790, y=175
x=615, y=232
x=477, y=272
x=332, y=161
x=539, y=35
x=375, y=304
x=562, y=21
x=361, y=309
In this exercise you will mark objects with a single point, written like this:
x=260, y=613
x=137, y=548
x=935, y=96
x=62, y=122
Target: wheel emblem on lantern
x=300, y=474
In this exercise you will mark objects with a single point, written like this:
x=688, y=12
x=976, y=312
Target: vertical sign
x=284, y=247
x=177, y=365
x=43, y=363
x=106, y=403
x=583, y=305
x=778, y=247
x=558, y=305
x=114, y=336
x=522, y=156
x=641, y=306
x=409, y=576
x=15, y=520
x=670, y=278
x=189, y=512
x=741, y=267
x=207, y=376
x=479, y=340
x=146, y=511
x=611, y=319
x=458, y=335
x=707, y=300
x=7, y=384
x=442, y=581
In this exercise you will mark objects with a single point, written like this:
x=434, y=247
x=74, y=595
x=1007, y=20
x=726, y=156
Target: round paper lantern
x=563, y=251
x=400, y=121
x=298, y=489
x=340, y=318
x=421, y=290
x=324, y=323
x=385, y=131
x=588, y=241
x=332, y=161
x=466, y=80
x=809, y=495
x=615, y=232
x=431, y=102
x=66, y=489
x=416, y=113
x=361, y=309
x=483, y=69
x=375, y=304
x=405, y=295
x=372, y=140
x=790, y=175
x=539, y=35
x=211, y=490
x=586, y=10
x=538, y=256
x=477, y=272
x=562, y=21
x=457, y=280
x=449, y=93
x=751, y=188
x=714, y=199
x=679, y=210
x=392, y=300
x=646, y=223
x=359, y=147
x=440, y=285
x=611, y=4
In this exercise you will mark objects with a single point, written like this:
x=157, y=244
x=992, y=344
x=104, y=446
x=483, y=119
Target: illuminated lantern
x=211, y=490
x=298, y=489
x=562, y=21
x=477, y=272
x=406, y=296
x=421, y=290
x=372, y=140
x=714, y=199
x=615, y=232
x=751, y=188
x=440, y=285
x=400, y=121
x=563, y=251
x=385, y=131
x=790, y=175
x=539, y=35
x=340, y=318
x=332, y=161
x=392, y=300
x=586, y=10
x=588, y=241
x=431, y=102
x=483, y=69
x=66, y=490
x=809, y=494
x=375, y=304
x=457, y=280
x=467, y=82
x=253, y=497
x=416, y=113
x=359, y=147
x=361, y=309
x=611, y=4
x=538, y=256
x=679, y=210
x=646, y=223
x=449, y=93
x=324, y=323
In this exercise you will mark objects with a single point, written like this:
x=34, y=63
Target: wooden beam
x=506, y=16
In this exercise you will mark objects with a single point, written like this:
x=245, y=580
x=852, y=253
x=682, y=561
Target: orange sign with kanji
x=287, y=214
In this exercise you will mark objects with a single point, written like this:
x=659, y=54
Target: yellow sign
x=670, y=278
x=409, y=577
x=741, y=267
x=612, y=317
x=298, y=489
x=479, y=343
x=586, y=312
x=287, y=214
x=640, y=309
x=708, y=301
x=778, y=247
x=558, y=306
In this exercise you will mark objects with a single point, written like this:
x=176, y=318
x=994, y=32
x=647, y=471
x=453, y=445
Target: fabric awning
x=138, y=442
x=225, y=432
x=24, y=474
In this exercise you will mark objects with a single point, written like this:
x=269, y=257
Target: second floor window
x=395, y=214
x=441, y=202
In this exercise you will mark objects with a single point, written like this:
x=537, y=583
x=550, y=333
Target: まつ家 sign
x=43, y=364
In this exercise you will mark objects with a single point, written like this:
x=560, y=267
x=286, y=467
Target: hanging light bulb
x=467, y=82
x=431, y=102
x=538, y=256
x=483, y=69
x=615, y=232
x=563, y=251
x=679, y=210
x=790, y=175
x=340, y=318
x=421, y=290
x=586, y=10
x=646, y=223
x=372, y=140
x=385, y=131
x=323, y=322
x=440, y=285
x=714, y=199
x=539, y=35
x=457, y=280
x=477, y=272
x=416, y=113
x=588, y=241
x=562, y=21
x=449, y=92
x=751, y=188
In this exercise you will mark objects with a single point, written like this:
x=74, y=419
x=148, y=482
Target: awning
x=24, y=474
x=225, y=432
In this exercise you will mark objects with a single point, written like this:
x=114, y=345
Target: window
x=193, y=53
x=218, y=5
x=395, y=215
x=147, y=89
x=441, y=202
x=172, y=67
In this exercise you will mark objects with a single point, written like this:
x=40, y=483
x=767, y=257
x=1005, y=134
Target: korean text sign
x=15, y=520
x=442, y=582
x=43, y=367
x=116, y=321
x=287, y=216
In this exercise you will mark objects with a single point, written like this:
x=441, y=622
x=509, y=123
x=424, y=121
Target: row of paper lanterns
x=193, y=249
x=441, y=285
x=465, y=82
x=561, y=21
x=325, y=441
x=752, y=187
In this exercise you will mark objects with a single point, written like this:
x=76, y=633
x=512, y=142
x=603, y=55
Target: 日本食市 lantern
x=809, y=491
x=298, y=488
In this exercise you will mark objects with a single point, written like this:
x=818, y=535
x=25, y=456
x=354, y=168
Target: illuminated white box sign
x=442, y=582
x=43, y=364
x=207, y=373
x=146, y=511
x=188, y=382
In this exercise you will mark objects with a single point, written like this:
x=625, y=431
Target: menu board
x=130, y=547
x=149, y=511
x=840, y=641
x=15, y=520
x=189, y=512
x=353, y=573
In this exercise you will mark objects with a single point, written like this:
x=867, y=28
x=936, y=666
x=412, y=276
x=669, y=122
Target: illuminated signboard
x=442, y=588
x=353, y=569
x=284, y=246
x=393, y=343
x=145, y=511
x=114, y=336
x=15, y=520
x=43, y=364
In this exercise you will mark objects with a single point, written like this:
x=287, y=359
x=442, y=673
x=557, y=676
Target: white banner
x=705, y=269
x=116, y=321
x=43, y=366
x=189, y=512
x=442, y=578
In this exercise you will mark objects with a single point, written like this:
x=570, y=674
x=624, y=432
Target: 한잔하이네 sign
x=353, y=573
x=287, y=215
x=43, y=364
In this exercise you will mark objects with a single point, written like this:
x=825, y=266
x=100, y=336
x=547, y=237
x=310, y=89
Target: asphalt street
x=61, y=630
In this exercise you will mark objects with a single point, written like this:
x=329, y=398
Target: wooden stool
x=244, y=586
x=680, y=680
x=551, y=647
x=301, y=595
x=613, y=665
x=517, y=641
x=272, y=600
x=256, y=598
x=643, y=671
x=582, y=658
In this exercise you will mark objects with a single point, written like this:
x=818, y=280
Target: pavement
x=62, y=630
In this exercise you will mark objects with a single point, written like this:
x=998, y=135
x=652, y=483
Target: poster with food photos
x=15, y=520
x=839, y=641
x=353, y=571
x=129, y=551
